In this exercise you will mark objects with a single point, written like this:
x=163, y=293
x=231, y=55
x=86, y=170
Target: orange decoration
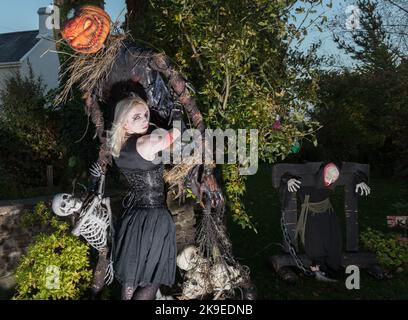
x=87, y=30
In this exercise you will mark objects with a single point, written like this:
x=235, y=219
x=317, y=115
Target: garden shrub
x=391, y=252
x=56, y=265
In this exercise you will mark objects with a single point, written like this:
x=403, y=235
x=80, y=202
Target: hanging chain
x=292, y=249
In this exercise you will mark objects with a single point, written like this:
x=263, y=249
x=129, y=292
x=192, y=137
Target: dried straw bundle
x=89, y=71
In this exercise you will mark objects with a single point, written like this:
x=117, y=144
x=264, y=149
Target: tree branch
x=195, y=52
x=227, y=88
x=397, y=5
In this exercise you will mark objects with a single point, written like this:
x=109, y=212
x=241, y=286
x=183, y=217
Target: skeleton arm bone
x=363, y=189
x=293, y=185
x=360, y=181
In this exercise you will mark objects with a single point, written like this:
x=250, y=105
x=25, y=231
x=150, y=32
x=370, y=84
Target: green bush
x=56, y=265
x=28, y=136
x=391, y=253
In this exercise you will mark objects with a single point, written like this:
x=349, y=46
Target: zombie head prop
x=330, y=174
x=87, y=31
x=64, y=204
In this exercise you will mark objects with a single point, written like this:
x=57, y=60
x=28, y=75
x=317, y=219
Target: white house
x=18, y=50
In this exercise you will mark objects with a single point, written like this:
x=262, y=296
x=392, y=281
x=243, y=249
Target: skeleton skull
x=196, y=285
x=188, y=258
x=64, y=204
x=223, y=276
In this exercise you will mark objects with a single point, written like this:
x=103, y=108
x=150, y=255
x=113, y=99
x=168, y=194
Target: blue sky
x=328, y=47
x=20, y=15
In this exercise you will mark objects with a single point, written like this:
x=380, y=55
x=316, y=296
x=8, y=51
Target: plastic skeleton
x=94, y=216
x=64, y=204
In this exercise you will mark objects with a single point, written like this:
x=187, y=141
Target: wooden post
x=351, y=210
x=290, y=217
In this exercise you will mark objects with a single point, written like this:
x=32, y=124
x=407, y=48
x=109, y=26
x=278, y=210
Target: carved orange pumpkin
x=87, y=30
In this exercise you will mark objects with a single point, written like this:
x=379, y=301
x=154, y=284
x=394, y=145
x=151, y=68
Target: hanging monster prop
x=317, y=226
x=122, y=63
x=108, y=67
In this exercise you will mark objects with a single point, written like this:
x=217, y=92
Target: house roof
x=14, y=45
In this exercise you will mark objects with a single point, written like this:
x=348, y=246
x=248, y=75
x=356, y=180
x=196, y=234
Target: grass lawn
x=253, y=249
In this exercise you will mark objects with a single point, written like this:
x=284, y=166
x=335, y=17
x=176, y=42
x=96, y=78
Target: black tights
x=142, y=293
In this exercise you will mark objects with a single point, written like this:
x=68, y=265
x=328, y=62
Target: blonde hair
x=117, y=135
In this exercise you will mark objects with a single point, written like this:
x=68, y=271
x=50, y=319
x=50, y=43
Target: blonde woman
x=145, y=243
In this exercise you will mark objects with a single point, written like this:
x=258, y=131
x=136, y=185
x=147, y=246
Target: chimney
x=45, y=14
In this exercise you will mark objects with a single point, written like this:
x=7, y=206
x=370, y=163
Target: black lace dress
x=145, y=238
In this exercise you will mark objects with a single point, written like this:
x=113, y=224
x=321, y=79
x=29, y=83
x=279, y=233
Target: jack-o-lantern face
x=87, y=30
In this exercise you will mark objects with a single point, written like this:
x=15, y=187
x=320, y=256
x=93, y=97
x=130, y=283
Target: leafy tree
x=28, y=130
x=371, y=45
x=238, y=55
x=363, y=108
x=395, y=15
x=75, y=133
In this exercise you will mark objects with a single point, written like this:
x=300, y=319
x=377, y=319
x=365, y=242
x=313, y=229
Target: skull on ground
x=196, y=284
x=222, y=277
x=188, y=258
